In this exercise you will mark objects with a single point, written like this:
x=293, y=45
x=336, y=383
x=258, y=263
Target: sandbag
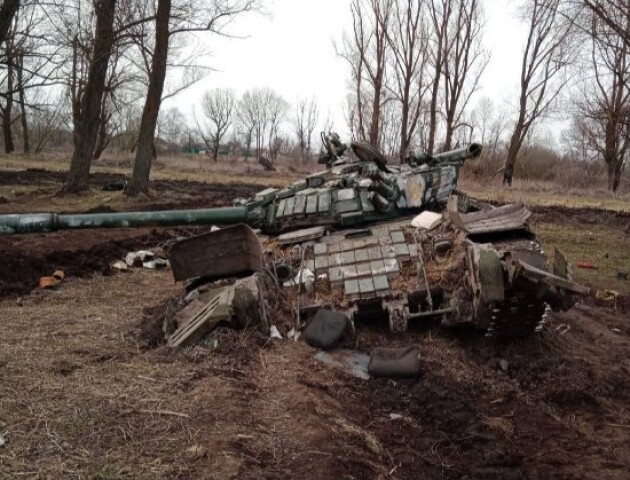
x=326, y=329
x=395, y=362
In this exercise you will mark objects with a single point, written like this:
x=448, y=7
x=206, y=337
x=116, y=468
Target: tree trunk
x=92, y=98
x=7, y=112
x=215, y=150
x=7, y=12
x=144, y=154
x=404, y=122
x=376, y=112
x=26, y=138
x=6, y=129
x=24, y=120
x=102, y=139
x=515, y=145
x=448, y=138
x=248, y=146
x=75, y=92
x=613, y=172
x=433, y=113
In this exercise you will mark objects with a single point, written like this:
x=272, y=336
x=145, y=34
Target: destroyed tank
x=377, y=242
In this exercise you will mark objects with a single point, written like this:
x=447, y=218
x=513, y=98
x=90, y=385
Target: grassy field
x=607, y=248
x=169, y=168
x=547, y=195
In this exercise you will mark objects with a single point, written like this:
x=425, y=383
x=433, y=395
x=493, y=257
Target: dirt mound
x=21, y=270
x=585, y=216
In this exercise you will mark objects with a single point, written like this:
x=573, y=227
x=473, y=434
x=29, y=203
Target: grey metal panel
x=288, y=209
x=323, y=201
x=304, y=235
x=366, y=203
x=414, y=190
x=281, y=206
x=349, y=205
x=346, y=194
x=300, y=205
x=311, y=204
x=505, y=218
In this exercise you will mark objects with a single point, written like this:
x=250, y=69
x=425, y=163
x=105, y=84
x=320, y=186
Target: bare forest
x=90, y=77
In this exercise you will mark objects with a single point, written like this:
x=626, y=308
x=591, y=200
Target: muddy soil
x=20, y=269
x=580, y=216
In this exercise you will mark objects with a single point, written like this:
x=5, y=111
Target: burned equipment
x=373, y=241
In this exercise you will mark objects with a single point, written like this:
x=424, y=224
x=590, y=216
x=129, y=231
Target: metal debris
x=356, y=364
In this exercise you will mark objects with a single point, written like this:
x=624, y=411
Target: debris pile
x=316, y=284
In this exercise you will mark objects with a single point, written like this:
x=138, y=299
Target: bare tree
x=261, y=110
x=613, y=14
x=8, y=10
x=605, y=105
x=548, y=51
x=440, y=14
x=305, y=120
x=218, y=106
x=146, y=148
x=172, y=125
x=6, y=110
x=408, y=40
x=465, y=61
x=245, y=122
x=26, y=63
x=91, y=98
x=366, y=50
x=186, y=17
x=278, y=108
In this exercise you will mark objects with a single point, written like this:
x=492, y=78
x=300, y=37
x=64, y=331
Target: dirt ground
x=84, y=394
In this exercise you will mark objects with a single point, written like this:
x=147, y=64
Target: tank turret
x=348, y=193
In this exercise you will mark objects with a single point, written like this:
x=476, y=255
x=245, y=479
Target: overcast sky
x=292, y=51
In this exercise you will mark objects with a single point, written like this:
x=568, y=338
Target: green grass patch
x=607, y=248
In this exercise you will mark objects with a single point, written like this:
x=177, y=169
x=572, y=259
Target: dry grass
x=540, y=193
x=189, y=168
x=82, y=398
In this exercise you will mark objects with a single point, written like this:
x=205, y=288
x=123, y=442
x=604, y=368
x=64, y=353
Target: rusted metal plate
x=502, y=219
x=227, y=252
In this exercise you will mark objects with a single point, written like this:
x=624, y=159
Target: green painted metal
x=46, y=222
x=471, y=151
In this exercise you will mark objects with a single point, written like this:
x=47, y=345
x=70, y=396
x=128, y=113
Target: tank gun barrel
x=459, y=155
x=46, y=222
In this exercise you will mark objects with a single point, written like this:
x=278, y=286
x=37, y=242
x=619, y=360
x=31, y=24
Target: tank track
x=522, y=314
x=519, y=315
